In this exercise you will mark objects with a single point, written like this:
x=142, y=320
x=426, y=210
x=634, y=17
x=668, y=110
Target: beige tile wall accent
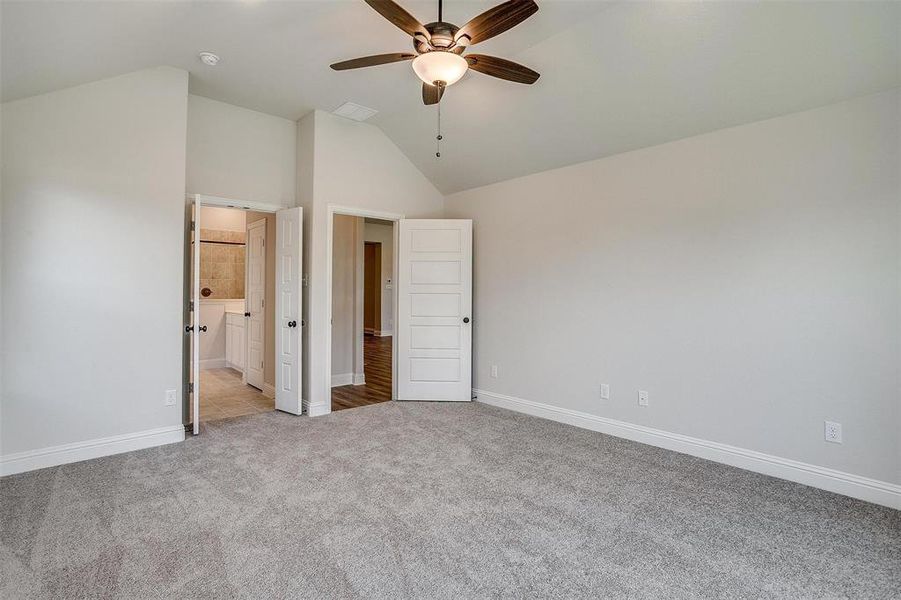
x=222, y=265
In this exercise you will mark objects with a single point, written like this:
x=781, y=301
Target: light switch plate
x=642, y=398
x=605, y=391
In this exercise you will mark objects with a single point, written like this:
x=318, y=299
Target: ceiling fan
x=439, y=46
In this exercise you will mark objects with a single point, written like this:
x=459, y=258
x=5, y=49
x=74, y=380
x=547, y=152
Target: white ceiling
x=615, y=76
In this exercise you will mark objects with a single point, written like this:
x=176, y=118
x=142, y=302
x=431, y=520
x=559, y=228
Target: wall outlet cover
x=171, y=397
x=494, y=371
x=642, y=398
x=832, y=432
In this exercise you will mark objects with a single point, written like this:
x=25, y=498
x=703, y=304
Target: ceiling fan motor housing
x=442, y=35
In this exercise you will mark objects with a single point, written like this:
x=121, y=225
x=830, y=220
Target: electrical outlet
x=832, y=432
x=605, y=391
x=642, y=398
x=494, y=371
x=171, y=396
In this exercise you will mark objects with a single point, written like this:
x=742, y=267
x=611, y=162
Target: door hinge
x=191, y=387
x=190, y=306
x=192, y=225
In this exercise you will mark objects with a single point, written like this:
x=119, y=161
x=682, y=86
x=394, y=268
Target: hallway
x=377, y=368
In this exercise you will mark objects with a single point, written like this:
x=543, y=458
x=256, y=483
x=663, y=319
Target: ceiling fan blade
x=371, y=61
x=495, y=21
x=401, y=18
x=431, y=94
x=501, y=68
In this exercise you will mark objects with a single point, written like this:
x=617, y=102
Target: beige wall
x=748, y=279
x=222, y=263
x=222, y=219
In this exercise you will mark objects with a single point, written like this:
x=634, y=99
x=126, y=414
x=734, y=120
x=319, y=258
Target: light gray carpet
x=431, y=501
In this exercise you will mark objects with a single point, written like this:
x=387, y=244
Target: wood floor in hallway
x=377, y=368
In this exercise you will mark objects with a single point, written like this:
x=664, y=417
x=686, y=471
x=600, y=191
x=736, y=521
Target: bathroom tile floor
x=222, y=395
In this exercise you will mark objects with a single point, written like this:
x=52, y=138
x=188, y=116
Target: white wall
x=93, y=184
x=212, y=341
x=384, y=234
x=238, y=153
x=748, y=279
x=344, y=266
x=354, y=165
x=305, y=152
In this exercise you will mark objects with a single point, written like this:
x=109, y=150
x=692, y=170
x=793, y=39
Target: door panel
x=255, y=294
x=289, y=237
x=434, y=330
x=435, y=305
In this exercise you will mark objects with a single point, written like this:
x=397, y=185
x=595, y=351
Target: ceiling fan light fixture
x=440, y=65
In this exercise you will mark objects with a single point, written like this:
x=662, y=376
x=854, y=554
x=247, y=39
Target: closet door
x=434, y=303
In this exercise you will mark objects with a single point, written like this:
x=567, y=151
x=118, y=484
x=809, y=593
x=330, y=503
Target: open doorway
x=235, y=314
x=362, y=311
x=264, y=317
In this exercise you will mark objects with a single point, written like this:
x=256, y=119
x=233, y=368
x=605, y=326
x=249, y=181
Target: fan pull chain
x=438, y=137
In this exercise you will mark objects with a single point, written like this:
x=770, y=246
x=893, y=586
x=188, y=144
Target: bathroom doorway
x=237, y=278
x=243, y=304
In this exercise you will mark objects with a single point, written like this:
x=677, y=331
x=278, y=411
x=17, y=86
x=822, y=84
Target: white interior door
x=194, y=330
x=255, y=300
x=434, y=303
x=289, y=242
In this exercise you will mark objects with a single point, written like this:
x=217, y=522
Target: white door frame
x=334, y=209
x=204, y=200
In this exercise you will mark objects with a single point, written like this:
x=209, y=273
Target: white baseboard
x=839, y=482
x=384, y=333
x=213, y=363
x=359, y=378
x=235, y=367
x=317, y=410
x=78, y=451
x=342, y=379
x=269, y=390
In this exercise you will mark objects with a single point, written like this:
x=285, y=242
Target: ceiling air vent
x=349, y=110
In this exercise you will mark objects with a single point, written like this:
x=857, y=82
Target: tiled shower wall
x=222, y=265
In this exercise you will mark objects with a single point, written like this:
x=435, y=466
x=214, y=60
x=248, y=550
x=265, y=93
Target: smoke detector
x=209, y=59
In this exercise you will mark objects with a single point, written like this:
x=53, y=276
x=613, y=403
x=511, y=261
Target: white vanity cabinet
x=234, y=340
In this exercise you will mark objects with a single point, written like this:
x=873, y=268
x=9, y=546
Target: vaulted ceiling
x=615, y=76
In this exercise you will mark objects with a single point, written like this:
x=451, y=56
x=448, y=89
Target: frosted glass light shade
x=439, y=65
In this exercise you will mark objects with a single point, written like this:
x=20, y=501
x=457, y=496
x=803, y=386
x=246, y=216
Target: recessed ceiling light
x=209, y=59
